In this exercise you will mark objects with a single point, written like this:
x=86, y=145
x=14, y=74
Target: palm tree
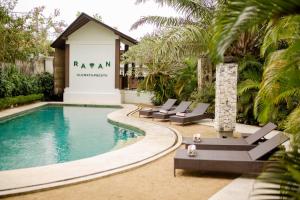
x=185, y=36
x=159, y=74
x=250, y=74
x=280, y=88
x=191, y=34
x=280, y=83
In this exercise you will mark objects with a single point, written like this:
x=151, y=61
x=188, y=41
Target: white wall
x=49, y=64
x=132, y=96
x=92, y=44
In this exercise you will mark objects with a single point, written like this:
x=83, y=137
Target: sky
x=115, y=13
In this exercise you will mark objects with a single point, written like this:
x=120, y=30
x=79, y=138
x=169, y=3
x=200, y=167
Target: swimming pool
x=54, y=134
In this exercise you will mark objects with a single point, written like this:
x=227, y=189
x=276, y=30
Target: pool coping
x=157, y=142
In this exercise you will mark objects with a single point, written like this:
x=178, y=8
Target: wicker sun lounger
x=166, y=106
x=182, y=107
x=231, y=143
x=197, y=114
x=239, y=162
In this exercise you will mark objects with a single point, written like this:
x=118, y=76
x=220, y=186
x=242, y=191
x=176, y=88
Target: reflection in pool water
x=55, y=134
x=125, y=134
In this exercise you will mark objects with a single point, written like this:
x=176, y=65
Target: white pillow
x=163, y=111
x=147, y=109
x=181, y=114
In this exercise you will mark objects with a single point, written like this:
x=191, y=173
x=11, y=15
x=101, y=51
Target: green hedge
x=19, y=100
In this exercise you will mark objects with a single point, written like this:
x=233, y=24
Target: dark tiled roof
x=81, y=21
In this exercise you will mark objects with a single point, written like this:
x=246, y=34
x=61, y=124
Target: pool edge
x=88, y=177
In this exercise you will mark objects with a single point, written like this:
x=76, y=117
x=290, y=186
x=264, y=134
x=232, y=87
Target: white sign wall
x=92, y=66
x=94, y=70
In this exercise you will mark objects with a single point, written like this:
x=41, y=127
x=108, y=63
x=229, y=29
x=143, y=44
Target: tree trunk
x=204, y=71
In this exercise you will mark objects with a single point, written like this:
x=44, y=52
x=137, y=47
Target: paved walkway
x=155, y=180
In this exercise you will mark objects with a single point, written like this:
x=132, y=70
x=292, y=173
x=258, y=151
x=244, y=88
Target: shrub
x=46, y=84
x=19, y=100
x=15, y=83
x=206, y=95
x=186, y=80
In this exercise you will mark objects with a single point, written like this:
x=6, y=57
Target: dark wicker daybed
x=229, y=161
x=182, y=107
x=231, y=143
x=197, y=114
x=166, y=106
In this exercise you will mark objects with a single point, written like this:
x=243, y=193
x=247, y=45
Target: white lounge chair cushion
x=163, y=111
x=181, y=114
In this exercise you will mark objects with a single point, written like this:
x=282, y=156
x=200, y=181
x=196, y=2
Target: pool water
x=56, y=134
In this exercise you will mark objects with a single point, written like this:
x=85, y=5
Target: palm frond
x=197, y=9
x=160, y=21
x=283, y=96
x=248, y=85
x=280, y=180
x=238, y=16
x=248, y=61
x=285, y=29
x=185, y=41
x=293, y=124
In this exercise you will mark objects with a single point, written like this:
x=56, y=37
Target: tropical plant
x=184, y=36
x=160, y=74
x=284, y=172
x=165, y=77
x=162, y=86
x=186, y=80
x=205, y=95
x=279, y=92
x=280, y=86
x=249, y=79
x=190, y=35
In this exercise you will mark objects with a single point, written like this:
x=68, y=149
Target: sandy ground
x=153, y=181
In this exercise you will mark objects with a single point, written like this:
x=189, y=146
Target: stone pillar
x=226, y=98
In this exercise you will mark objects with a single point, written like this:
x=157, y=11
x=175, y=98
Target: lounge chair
x=166, y=106
x=231, y=143
x=229, y=161
x=197, y=114
x=182, y=107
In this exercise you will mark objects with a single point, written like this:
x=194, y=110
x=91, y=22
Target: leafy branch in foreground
x=280, y=180
x=237, y=16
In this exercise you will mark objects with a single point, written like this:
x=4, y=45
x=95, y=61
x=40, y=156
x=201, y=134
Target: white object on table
x=197, y=137
x=191, y=150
